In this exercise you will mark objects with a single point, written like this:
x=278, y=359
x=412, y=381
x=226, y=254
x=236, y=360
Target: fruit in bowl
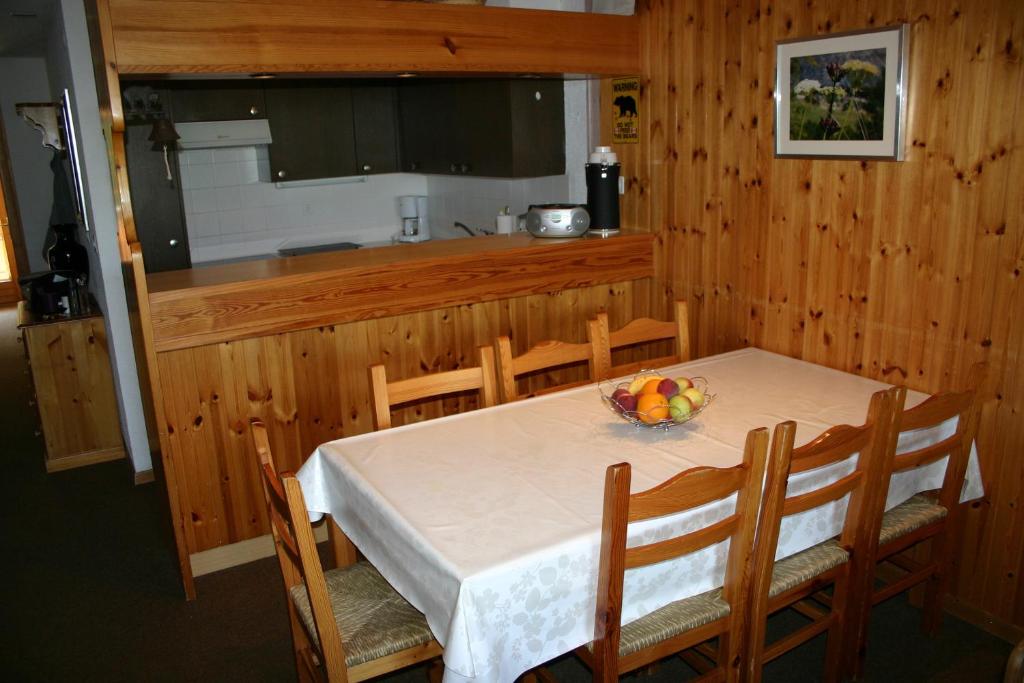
x=654, y=400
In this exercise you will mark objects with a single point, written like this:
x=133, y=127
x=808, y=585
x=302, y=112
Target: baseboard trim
x=243, y=552
x=145, y=477
x=986, y=621
x=84, y=459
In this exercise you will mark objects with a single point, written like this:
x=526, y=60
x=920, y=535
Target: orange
x=650, y=387
x=652, y=408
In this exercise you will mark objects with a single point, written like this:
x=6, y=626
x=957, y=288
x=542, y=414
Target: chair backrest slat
x=834, y=445
x=926, y=455
x=687, y=490
x=936, y=409
x=825, y=494
x=642, y=555
x=386, y=394
x=545, y=355
x=437, y=384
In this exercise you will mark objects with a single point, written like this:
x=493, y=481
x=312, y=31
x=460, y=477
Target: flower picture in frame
x=842, y=95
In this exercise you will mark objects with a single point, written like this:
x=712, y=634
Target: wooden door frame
x=13, y=236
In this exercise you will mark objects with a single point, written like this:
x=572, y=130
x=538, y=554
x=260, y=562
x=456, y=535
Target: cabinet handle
x=253, y=110
x=280, y=174
x=367, y=167
x=413, y=166
x=454, y=168
x=173, y=243
x=464, y=168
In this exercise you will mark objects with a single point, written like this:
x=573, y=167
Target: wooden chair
x=842, y=561
x=923, y=517
x=545, y=355
x=332, y=637
x=639, y=331
x=683, y=624
x=386, y=394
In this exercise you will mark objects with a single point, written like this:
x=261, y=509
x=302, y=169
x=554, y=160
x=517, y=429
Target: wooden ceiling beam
x=243, y=37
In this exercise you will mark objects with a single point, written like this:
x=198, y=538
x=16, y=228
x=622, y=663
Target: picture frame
x=843, y=95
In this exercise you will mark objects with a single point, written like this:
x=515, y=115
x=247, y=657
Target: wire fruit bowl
x=636, y=417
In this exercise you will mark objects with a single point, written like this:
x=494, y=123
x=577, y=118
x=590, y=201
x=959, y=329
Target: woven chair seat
x=804, y=566
x=671, y=620
x=373, y=619
x=917, y=512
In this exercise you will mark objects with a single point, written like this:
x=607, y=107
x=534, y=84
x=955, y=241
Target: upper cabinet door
x=375, y=113
x=216, y=101
x=483, y=127
x=426, y=112
x=538, y=127
x=156, y=201
x=312, y=130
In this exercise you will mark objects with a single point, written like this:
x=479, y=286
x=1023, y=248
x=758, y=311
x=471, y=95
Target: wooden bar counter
x=290, y=340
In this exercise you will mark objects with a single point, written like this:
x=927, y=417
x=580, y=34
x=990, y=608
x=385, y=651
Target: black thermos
x=603, y=189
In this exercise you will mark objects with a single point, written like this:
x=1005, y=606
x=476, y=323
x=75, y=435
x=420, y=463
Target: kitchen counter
x=289, y=340
x=255, y=298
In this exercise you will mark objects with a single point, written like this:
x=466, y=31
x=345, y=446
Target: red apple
x=624, y=401
x=668, y=388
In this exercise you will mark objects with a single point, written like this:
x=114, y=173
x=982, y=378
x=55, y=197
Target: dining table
x=488, y=521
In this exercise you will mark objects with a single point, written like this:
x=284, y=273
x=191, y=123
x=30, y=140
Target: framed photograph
x=842, y=96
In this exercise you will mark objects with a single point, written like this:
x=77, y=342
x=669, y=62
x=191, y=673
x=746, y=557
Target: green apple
x=695, y=396
x=684, y=383
x=679, y=408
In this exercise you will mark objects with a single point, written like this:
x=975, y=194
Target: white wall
x=24, y=79
x=70, y=65
x=232, y=210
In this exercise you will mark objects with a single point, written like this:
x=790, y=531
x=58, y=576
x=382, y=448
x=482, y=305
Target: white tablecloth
x=488, y=522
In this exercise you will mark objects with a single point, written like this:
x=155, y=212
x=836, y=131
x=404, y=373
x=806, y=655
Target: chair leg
x=935, y=587
x=836, y=632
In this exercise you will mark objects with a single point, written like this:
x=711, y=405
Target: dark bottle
x=67, y=254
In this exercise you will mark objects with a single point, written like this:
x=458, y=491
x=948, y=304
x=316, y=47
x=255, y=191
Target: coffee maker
x=415, y=223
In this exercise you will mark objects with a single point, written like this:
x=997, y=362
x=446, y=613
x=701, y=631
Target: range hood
x=205, y=134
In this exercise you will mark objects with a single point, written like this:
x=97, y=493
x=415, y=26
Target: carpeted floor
x=90, y=589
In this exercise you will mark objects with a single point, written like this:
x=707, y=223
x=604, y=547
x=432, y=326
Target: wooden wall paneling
x=1000, y=80
x=352, y=347
x=901, y=271
x=240, y=483
x=310, y=386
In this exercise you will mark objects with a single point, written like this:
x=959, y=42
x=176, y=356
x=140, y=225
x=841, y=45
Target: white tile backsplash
x=231, y=208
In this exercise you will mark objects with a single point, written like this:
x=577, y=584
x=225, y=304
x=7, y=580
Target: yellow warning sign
x=625, y=110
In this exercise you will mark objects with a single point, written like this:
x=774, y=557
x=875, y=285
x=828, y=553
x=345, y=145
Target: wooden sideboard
x=74, y=390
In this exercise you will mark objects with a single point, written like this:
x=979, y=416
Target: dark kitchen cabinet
x=426, y=114
x=156, y=201
x=216, y=101
x=375, y=122
x=313, y=131
x=483, y=127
